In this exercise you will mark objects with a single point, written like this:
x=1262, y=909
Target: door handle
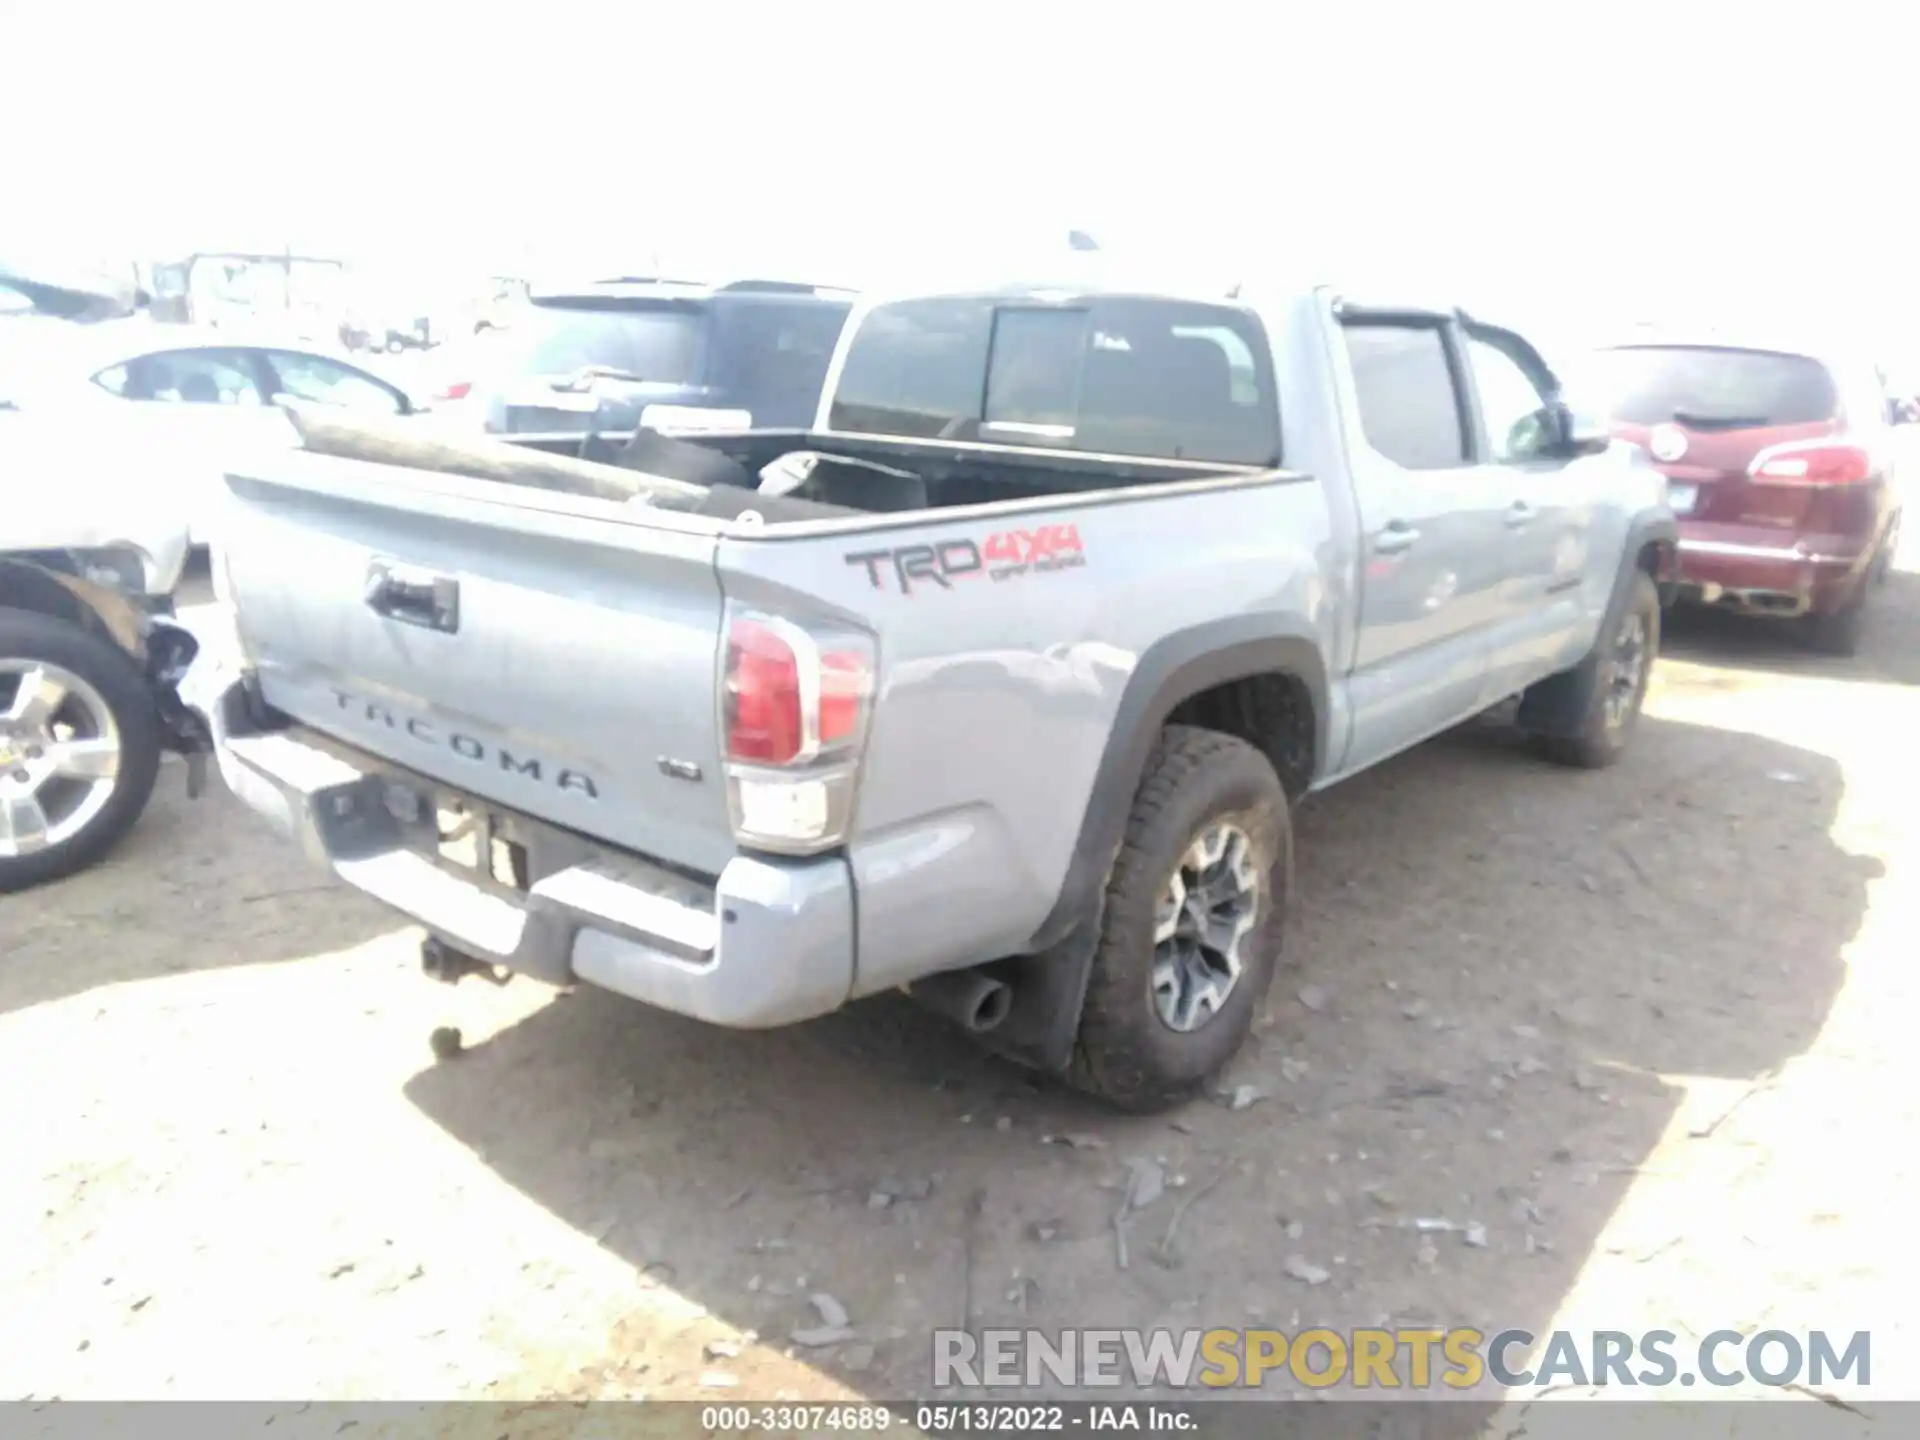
x=413, y=597
x=1394, y=537
x=1521, y=513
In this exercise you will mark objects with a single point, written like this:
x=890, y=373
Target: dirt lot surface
x=1647, y=1031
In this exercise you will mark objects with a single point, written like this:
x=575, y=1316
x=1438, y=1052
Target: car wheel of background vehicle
x=1840, y=631
x=1191, y=935
x=79, y=747
x=1612, y=683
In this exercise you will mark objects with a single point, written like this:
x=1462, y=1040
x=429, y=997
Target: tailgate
x=551, y=654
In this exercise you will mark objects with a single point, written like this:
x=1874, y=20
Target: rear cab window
x=1708, y=388
x=1136, y=377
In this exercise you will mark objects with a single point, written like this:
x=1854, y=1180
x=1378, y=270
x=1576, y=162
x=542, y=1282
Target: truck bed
x=574, y=675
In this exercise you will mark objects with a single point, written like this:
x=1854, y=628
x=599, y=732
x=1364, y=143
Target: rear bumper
x=767, y=943
x=1813, y=574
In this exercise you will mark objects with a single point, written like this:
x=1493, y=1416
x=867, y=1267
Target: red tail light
x=794, y=701
x=1812, y=462
x=788, y=698
x=458, y=390
x=763, y=712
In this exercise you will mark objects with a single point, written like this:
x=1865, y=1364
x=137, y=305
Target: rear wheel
x=79, y=747
x=1191, y=933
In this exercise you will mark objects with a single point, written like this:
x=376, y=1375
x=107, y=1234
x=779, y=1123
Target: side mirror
x=1556, y=431
x=1586, y=434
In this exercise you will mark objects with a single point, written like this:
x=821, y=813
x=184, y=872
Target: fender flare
x=1050, y=979
x=45, y=590
x=1653, y=526
x=1556, y=705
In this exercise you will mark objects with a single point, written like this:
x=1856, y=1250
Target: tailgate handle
x=413, y=597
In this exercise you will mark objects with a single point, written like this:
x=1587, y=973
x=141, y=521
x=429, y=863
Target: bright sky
x=1576, y=158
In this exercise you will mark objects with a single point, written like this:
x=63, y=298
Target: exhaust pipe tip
x=974, y=1001
x=994, y=1004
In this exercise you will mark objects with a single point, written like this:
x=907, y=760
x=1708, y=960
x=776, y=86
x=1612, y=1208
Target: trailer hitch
x=450, y=966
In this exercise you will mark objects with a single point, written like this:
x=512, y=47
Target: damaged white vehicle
x=92, y=545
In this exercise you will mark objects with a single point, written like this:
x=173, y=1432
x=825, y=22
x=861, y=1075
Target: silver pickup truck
x=996, y=685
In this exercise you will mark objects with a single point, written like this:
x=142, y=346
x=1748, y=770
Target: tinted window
x=1648, y=385
x=1511, y=400
x=1034, y=379
x=1153, y=378
x=666, y=344
x=1409, y=408
x=916, y=368
x=313, y=377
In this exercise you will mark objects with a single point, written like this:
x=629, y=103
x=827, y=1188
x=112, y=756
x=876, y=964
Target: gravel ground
x=1649, y=1028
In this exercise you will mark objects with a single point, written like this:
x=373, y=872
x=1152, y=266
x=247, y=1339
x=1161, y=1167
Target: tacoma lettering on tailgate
x=1003, y=555
x=469, y=748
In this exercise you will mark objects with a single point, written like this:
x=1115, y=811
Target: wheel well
x=1657, y=559
x=25, y=586
x=1272, y=711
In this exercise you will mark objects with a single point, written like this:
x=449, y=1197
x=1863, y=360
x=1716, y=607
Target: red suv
x=1779, y=465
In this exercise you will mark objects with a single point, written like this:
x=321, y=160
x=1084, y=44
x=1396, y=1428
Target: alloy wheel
x=1627, y=670
x=59, y=756
x=1210, y=906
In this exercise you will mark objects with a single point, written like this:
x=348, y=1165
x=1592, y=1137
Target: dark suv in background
x=1780, y=465
x=610, y=356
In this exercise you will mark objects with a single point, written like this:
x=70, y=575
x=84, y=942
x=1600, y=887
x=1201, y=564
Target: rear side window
x=1158, y=379
x=1409, y=399
x=185, y=377
x=1704, y=387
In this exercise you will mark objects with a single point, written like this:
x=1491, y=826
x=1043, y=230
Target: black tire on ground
x=26, y=635
x=1126, y=1054
x=1603, y=732
x=1840, y=631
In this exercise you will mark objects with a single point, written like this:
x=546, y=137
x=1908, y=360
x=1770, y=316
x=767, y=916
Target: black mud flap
x=1049, y=991
x=170, y=652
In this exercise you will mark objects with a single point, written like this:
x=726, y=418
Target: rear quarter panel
x=999, y=689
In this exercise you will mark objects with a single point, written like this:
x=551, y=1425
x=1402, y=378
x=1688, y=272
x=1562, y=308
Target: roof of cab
x=1247, y=294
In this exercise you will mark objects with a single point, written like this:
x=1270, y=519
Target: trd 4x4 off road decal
x=1003, y=555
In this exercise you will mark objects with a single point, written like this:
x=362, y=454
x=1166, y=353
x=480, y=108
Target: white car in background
x=189, y=393
x=92, y=545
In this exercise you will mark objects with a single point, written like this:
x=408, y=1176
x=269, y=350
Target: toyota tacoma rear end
x=997, y=684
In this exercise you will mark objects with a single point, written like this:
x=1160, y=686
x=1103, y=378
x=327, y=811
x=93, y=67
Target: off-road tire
x=1839, y=632
x=1125, y=1054
x=27, y=635
x=1596, y=743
